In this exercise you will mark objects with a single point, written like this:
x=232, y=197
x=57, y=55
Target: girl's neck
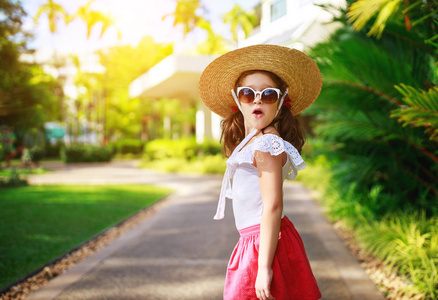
x=248, y=129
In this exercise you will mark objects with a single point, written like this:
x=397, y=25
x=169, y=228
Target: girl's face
x=258, y=114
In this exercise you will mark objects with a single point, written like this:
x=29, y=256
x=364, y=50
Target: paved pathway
x=180, y=252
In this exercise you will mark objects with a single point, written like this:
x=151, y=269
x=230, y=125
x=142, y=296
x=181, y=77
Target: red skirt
x=293, y=277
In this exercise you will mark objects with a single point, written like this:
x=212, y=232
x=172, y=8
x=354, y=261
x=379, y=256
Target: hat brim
x=296, y=69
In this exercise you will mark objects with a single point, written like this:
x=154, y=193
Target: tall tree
x=124, y=116
x=26, y=99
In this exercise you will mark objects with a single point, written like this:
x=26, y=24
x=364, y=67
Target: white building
x=298, y=24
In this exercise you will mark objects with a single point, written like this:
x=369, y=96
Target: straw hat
x=295, y=68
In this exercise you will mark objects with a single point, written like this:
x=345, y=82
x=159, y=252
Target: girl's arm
x=271, y=186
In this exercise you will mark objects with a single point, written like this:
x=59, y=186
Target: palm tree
x=238, y=18
x=92, y=18
x=214, y=44
x=185, y=15
x=55, y=13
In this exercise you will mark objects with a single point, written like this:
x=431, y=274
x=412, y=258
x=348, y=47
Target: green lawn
x=38, y=223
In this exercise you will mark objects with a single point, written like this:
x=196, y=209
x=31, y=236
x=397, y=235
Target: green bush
x=211, y=164
x=36, y=153
x=2, y=154
x=165, y=149
x=80, y=153
x=209, y=147
x=184, y=156
x=128, y=146
x=404, y=239
x=12, y=179
x=186, y=148
x=371, y=150
x=53, y=150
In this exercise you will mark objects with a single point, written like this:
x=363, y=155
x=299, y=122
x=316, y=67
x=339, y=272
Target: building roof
x=176, y=76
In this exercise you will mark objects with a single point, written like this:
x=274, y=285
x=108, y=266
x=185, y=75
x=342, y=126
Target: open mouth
x=257, y=112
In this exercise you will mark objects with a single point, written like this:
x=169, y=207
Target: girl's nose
x=258, y=99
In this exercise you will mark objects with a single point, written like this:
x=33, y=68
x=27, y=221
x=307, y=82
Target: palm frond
x=363, y=10
x=347, y=57
x=421, y=110
x=343, y=127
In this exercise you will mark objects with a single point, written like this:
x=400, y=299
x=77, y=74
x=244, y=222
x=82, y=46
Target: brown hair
x=288, y=126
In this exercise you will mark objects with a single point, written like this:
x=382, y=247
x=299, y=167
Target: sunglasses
x=247, y=95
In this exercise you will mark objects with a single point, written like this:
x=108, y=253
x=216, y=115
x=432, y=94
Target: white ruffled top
x=241, y=181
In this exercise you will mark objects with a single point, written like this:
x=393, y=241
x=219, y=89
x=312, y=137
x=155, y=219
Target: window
x=278, y=9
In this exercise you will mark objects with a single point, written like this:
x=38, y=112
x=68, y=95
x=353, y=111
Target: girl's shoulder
x=274, y=145
x=270, y=141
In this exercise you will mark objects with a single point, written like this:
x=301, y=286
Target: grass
x=39, y=223
x=408, y=242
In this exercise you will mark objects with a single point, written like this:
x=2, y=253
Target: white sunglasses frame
x=260, y=92
x=240, y=107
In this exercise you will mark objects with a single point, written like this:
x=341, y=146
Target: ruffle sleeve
x=275, y=145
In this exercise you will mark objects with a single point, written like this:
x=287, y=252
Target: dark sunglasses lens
x=246, y=95
x=269, y=96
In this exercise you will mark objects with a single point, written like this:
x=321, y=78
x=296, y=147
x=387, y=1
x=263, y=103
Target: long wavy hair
x=289, y=127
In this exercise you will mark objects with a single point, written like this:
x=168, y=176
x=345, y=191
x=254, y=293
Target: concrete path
x=180, y=252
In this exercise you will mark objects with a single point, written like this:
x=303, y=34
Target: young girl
x=258, y=90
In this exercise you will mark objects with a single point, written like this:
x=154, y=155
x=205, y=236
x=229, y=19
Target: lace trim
x=273, y=144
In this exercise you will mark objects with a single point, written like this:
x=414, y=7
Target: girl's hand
x=263, y=284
